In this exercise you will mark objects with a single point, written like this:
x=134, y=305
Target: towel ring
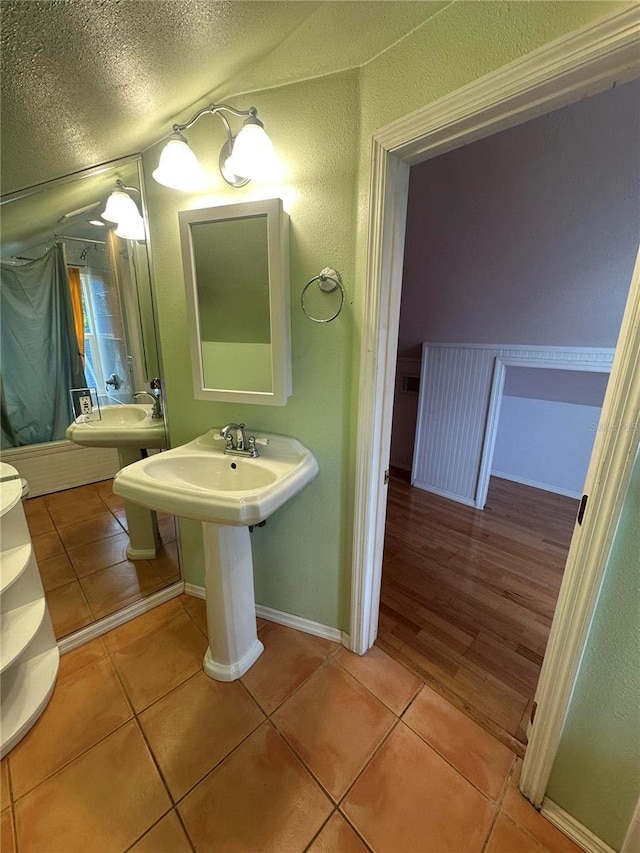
x=328, y=280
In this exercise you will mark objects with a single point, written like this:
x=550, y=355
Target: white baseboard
x=573, y=829
x=196, y=591
x=442, y=493
x=102, y=626
x=568, y=493
x=289, y=620
x=307, y=626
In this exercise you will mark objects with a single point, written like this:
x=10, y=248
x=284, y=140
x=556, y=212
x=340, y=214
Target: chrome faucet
x=156, y=412
x=237, y=444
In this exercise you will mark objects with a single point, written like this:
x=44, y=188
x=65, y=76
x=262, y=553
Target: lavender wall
x=528, y=236
x=547, y=427
x=563, y=386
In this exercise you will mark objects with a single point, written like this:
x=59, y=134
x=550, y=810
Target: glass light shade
x=119, y=206
x=253, y=155
x=178, y=167
x=131, y=227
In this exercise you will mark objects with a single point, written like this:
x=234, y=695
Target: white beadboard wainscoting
x=57, y=465
x=461, y=389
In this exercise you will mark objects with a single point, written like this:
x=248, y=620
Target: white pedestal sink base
x=231, y=614
x=142, y=522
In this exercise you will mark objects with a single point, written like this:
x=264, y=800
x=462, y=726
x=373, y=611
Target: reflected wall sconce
x=123, y=210
x=243, y=157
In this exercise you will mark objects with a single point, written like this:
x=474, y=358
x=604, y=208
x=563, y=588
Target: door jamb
x=579, y=64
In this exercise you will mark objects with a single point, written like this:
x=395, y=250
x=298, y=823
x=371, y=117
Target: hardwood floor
x=468, y=595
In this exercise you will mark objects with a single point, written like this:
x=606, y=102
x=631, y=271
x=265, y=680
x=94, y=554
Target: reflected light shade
x=252, y=155
x=178, y=167
x=131, y=227
x=119, y=206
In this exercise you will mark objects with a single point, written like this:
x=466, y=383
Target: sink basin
x=126, y=425
x=198, y=480
x=227, y=494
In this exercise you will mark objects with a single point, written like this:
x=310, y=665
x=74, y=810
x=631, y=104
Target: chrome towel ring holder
x=328, y=281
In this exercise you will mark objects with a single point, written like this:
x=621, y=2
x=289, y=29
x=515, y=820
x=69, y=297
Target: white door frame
x=577, y=65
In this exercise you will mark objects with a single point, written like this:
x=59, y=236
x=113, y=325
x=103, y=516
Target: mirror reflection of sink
x=198, y=480
x=130, y=429
x=124, y=415
x=227, y=493
x=125, y=425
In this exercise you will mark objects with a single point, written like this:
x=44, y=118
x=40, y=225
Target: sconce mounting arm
x=247, y=155
x=219, y=109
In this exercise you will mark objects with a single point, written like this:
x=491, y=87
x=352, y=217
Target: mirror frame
x=279, y=303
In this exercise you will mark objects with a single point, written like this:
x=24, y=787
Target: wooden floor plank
x=468, y=596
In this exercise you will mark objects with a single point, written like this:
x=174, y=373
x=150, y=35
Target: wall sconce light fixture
x=123, y=210
x=243, y=157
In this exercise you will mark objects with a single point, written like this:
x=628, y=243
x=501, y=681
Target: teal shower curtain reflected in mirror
x=39, y=357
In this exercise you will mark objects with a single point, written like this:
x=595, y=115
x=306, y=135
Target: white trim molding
x=299, y=623
x=573, y=829
x=289, y=620
x=535, y=484
x=573, y=67
x=614, y=453
x=102, y=626
x=459, y=409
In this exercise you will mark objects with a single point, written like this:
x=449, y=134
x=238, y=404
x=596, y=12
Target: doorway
x=467, y=595
x=471, y=575
x=576, y=66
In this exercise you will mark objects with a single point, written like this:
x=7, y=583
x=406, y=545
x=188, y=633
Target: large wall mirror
x=236, y=267
x=70, y=277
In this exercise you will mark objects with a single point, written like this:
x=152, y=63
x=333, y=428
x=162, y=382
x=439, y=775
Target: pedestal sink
x=125, y=425
x=227, y=494
x=130, y=429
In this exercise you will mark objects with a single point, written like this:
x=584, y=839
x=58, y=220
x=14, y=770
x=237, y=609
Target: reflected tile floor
x=315, y=749
x=80, y=541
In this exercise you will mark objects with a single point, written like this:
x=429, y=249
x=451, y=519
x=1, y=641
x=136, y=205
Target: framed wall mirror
x=236, y=269
x=103, y=272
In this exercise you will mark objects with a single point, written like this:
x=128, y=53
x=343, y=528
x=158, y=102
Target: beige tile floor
x=315, y=749
x=80, y=541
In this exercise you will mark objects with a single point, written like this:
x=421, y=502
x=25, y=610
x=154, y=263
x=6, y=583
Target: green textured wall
x=596, y=774
x=321, y=130
x=302, y=555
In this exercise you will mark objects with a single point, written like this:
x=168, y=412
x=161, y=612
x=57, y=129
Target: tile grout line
x=66, y=764
x=306, y=848
x=364, y=767
x=447, y=761
x=296, y=689
x=502, y=736
x=336, y=804
x=94, y=542
x=133, y=717
x=499, y=804
x=375, y=696
x=12, y=813
x=146, y=742
x=218, y=763
x=175, y=802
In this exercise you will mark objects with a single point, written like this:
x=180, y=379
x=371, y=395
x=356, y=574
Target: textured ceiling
x=87, y=81
x=60, y=208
